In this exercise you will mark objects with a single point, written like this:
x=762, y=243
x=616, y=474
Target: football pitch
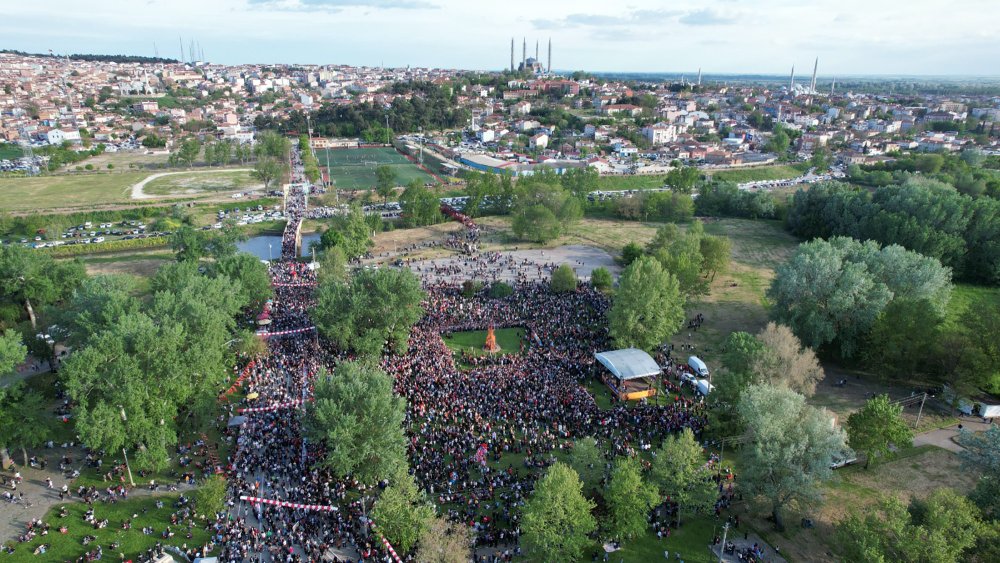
x=354, y=169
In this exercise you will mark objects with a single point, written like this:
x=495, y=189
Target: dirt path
x=137, y=188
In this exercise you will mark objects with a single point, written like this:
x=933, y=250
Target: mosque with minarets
x=530, y=64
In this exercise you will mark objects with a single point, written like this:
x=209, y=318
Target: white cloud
x=725, y=36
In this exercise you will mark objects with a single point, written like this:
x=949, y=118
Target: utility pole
x=722, y=548
x=921, y=411
x=387, y=129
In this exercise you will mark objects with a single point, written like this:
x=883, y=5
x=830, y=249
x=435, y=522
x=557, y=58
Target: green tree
x=272, y=145
x=680, y=471
x=96, y=306
x=680, y=254
x=557, y=520
x=877, y=426
x=445, y=542
x=581, y=181
x=587, y=460
x=419, y=206
x=630, y=253
x=940, y=529
x=349, y=232
x=402, y=513
x=778, y=143
x=12, y=351
x=359, y=420
x=789, y=447
x=683, y=179
x=563, y=279
x=903, y=340
x=982, y=452
x=188, y=151
x=715, y=255
x=385, y=181
x=25, y=419
x=601, y=279
x=834, y=290
x=375, y=310
x=210, y=496
x=268, y=170
x=29, y=278
x=332, y=265
x=251, y=273
x=629, y=499
x=648, y=307
x=536, y=224
x=820, y=159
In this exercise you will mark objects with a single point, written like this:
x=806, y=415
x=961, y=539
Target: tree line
x=922, y=215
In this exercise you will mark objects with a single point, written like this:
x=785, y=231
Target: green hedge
x=104, y=247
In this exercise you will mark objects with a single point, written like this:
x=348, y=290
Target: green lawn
x=691, y=540
x=10, y=151
x=756, y=174
x=186, y=183
x=66, y=191
x=354, y=169
x=613, y=183
x=472, y=341
x=965, y=296
x=69, y=546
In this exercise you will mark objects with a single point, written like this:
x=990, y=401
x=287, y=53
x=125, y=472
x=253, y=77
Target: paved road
x=944, y=437
x=583, y=259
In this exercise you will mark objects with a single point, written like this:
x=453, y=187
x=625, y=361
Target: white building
x=539, y=141
x=660, y=133
x=58, y=136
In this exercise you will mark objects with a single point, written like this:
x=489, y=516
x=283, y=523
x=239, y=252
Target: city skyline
x=719, y=36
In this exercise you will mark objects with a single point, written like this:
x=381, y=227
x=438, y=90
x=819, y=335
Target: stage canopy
x=630, y=363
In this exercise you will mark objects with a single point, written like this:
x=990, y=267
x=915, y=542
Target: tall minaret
x=550, y=56
x=536, y=50
x=791, y=82
x=699, y=76
x=512, y=54
x=812, y=85
x=833, y=85
x=524, y=53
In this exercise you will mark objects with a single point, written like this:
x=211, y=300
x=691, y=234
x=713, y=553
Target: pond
x=258, y=246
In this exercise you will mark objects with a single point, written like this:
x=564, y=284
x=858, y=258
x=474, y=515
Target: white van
x=698, y=366
x=703, y=387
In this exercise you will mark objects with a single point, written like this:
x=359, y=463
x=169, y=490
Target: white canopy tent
x=629, y=363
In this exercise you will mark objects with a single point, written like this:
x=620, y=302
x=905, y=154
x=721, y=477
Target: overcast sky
x=921, y=37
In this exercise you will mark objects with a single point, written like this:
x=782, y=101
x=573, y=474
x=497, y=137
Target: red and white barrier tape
x=302, y=284
x=285, y=504
x=271, y=408
x=286, y=332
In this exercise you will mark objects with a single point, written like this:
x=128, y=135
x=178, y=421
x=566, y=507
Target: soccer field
x=354, y=169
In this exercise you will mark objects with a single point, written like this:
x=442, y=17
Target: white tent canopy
x=630, y=363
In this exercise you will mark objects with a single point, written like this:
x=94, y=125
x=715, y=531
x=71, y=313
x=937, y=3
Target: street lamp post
x=125, y=455
x=269, y=256
x=722, y=548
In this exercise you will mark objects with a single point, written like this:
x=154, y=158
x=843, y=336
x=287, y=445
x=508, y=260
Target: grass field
x=472, y=341
x=613, y=183
x=777, y=172
x=66, y=191
x=10, y=151
x=189, y=183
x=354, y=169
x=69, y=546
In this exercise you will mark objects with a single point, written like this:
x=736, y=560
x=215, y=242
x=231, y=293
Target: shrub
x=500, y=290
x=600, y=278
x=563, y=279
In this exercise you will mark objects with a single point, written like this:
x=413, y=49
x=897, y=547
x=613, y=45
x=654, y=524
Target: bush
x=470, y=288
x=600, y=278
x=630, y=253
x=89, y=167
x=563, y=279
x=111, y=166
x=500, y=290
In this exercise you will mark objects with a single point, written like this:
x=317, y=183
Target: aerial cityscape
x=444, y=282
